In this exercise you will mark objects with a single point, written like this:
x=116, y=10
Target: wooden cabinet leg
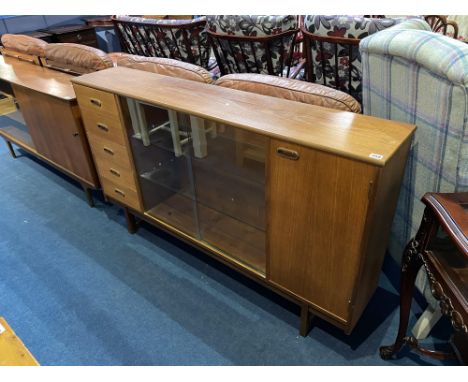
x=10, y=148
x=131, y=221
x=89, y=195
x=411, y=263
x=306, y=320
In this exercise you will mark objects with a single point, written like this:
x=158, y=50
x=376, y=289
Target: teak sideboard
x=40, y=114
x=298, y=197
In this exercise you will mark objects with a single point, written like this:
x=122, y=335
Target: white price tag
x=375, y=156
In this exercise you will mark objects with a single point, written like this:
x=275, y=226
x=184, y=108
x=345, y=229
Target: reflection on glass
x=204, y=178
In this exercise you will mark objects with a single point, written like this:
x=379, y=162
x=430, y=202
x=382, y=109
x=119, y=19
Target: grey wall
x=18, y=24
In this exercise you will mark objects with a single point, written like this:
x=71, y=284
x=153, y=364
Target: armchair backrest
x=23, y=47
x=293, y=90
x=253, y=43
x=163, y=66
x=420, y=77
x=183, y=40
x=332, y=52
x=75, y=59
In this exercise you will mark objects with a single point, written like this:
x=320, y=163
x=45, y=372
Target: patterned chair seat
x=183, y=40
x=253, y=43
x=332, y=49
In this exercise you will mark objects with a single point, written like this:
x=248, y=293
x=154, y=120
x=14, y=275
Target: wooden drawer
x=121, y=194
x=118, y=175
x=97, y=100
x=106, y=151
x=103, y=126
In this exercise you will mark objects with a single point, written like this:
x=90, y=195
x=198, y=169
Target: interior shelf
x=231, y=236
x=13, y=128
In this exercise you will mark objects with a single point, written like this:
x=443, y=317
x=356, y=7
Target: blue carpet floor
x=79, y=290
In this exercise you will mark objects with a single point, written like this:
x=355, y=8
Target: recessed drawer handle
x=108, y=151
x=121, y=193
x=287, y=153
x=95, y=102
x=114, y=172
x=102, y=127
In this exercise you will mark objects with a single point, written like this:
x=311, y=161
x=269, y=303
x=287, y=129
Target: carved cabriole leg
x=411, y=262
x=131, y=222
x=10, y=148
x=306, y=319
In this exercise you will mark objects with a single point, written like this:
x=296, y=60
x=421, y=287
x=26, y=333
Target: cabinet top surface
x=36, y=77
x=356, y=136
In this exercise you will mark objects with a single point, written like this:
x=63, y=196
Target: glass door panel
x=203, y=178
x=230, y=191
x=160, y=143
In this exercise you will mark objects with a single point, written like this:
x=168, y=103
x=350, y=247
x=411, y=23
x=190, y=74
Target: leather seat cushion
x=76, y=57
x=290, y=89
x=163, y=66
x=24, y=44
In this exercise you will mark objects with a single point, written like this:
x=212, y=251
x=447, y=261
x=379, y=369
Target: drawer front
x=103, y=126
x=117, y=175
x=121, y=194
x=96, y=100
x=106, y=151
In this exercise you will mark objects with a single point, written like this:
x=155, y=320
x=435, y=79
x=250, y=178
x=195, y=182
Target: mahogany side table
x=441, y=247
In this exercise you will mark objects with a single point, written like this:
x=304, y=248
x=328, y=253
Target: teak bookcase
x=298, y=197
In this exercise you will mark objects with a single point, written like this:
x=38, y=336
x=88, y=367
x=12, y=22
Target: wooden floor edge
x=13, y=352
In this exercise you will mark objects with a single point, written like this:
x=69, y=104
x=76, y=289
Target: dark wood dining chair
x=253, y=43
x=440, y=24
x=331, y=45
x=183, y=40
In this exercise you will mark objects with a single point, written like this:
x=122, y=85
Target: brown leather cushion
x=164, y=66
x=76, y=58
x=293, y=90
x=24, y=44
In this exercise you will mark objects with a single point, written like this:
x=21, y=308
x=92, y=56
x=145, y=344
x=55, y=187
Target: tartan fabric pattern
x=183, y=40
x=420, y=77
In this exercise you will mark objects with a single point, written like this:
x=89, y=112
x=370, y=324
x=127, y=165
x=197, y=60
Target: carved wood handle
x=114, y=172
x=287, y=153
x=103, y=127
x=121, y=193
x=108, y=150
x=95, y=102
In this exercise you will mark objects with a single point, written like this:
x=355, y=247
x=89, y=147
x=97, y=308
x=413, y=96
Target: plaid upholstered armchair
x=253, y=43
x=413, y=75
x=183, y=40
x=332, y=52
